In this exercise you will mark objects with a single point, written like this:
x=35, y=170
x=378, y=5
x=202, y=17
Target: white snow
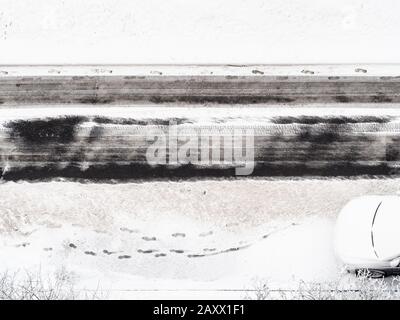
x=283, y=229
x=206, y=31
x=254, y=70
x=240, y=114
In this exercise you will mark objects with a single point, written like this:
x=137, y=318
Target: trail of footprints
x=156, y=253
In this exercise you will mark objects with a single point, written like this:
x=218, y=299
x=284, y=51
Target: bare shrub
x=362, y=287
x=35, y=286
x=261, y=291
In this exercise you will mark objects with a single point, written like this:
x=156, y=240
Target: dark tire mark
x=312, y=120
x=389, y=77
x=100, y=88
x=142, y=122
x=108, y=173
x=221, y=99
x=59, y=130
x=342, y=98
x=380, y=97
x=95, y=134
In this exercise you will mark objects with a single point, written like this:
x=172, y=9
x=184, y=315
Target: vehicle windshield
x=385, y=230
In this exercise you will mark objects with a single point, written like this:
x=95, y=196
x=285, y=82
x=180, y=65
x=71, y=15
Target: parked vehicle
x=367, y=235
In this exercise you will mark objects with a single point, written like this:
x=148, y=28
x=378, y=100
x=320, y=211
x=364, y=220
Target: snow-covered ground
x=192, y=239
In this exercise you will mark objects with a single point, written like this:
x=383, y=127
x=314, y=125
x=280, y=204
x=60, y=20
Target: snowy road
x=177, y=239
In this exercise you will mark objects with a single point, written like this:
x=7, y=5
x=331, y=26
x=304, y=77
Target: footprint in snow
x=146, y=251
x=206, y=234
x=123, y=229
x=24, y=244
x=177, y=250
x=157, y=255
x=149, y=238
x=179, y=234
x=108, y=252
x=124, y=257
